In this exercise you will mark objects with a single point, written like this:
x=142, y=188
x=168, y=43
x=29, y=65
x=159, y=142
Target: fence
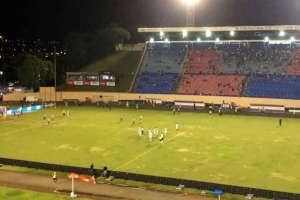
x=157, y=180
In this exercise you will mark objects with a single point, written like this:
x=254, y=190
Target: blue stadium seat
x=156, y=83
x=274, y=87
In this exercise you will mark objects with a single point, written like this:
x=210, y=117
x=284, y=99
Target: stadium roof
x=220, y=28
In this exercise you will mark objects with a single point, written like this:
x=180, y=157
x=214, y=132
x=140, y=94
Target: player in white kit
x=150, y=135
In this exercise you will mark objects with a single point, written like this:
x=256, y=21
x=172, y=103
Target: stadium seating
x=274, y=87
x=156, y=83
x=217, y=85
x=203, y=62
x=255, y=58
x=294, y=69
x=201, y=73
x=203, y=46
x=161, y=67
x=222, y=69
x=164, y=58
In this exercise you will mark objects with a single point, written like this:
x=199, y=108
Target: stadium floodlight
x=184, y=34
x=198, y=39
x=190, y=12
x=292, y=39
x=190, y=2
x=161, y=34
x=232, y=33
x=267, y=39
x=208, y=33
x=217, y=39
x=151, y=40
x=281, y=33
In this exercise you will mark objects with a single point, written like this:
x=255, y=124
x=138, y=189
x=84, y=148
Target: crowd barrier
x=231, y=189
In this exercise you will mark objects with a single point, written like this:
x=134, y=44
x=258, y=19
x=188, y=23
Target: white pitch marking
x=39, y=124
x=146, y=152
x=17, y=131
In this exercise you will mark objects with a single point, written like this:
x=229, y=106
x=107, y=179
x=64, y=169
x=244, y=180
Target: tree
x=76, y=50
x=115, y=35
x=83, y=48
x=33, y=72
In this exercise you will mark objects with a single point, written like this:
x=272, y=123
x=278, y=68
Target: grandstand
x=294, y=69
x=282, y=87
x=212, y=85
x=161, y=67
x=251, y=68
x=239, y=67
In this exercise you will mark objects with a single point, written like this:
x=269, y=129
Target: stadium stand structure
x=161, y=68
x=255, y=58
x=274, y=87
x=294, y=69
x=252, y=69
x=216, y=85
x=201, y=73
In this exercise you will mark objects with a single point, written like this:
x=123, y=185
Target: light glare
x=232, y=33
x=281, y=33
x=190, y=2
x=198, y=39
x=184, y=34
x=151, y=40
x=292, y=39
x=267, y=39
x=208, y=33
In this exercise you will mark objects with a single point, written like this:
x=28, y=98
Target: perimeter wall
x=48, y=94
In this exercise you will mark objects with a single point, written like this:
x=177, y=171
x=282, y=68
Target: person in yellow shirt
x=54, y=177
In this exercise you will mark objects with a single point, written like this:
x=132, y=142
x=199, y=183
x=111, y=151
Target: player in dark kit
x=280, y=122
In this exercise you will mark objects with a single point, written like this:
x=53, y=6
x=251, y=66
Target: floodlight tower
x=190, y=12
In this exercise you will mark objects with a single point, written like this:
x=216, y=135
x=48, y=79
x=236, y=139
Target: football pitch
x=247, y=151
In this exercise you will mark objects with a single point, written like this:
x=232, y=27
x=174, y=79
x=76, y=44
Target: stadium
x=221, y=105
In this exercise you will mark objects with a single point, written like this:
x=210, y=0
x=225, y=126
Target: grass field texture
x=18, y=194
x=236, y=150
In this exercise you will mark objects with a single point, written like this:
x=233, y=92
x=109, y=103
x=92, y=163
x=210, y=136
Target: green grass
x=122, y=63
x=237, y=150
x=18, y=194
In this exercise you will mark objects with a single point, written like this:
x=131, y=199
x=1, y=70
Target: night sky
x=54, y=19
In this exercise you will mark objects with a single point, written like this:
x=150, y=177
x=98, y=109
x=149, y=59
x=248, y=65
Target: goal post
x=3, y=112
x=101, y=98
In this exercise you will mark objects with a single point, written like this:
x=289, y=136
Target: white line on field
x=38, y=125
x=146, y=152
x=17, y=131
